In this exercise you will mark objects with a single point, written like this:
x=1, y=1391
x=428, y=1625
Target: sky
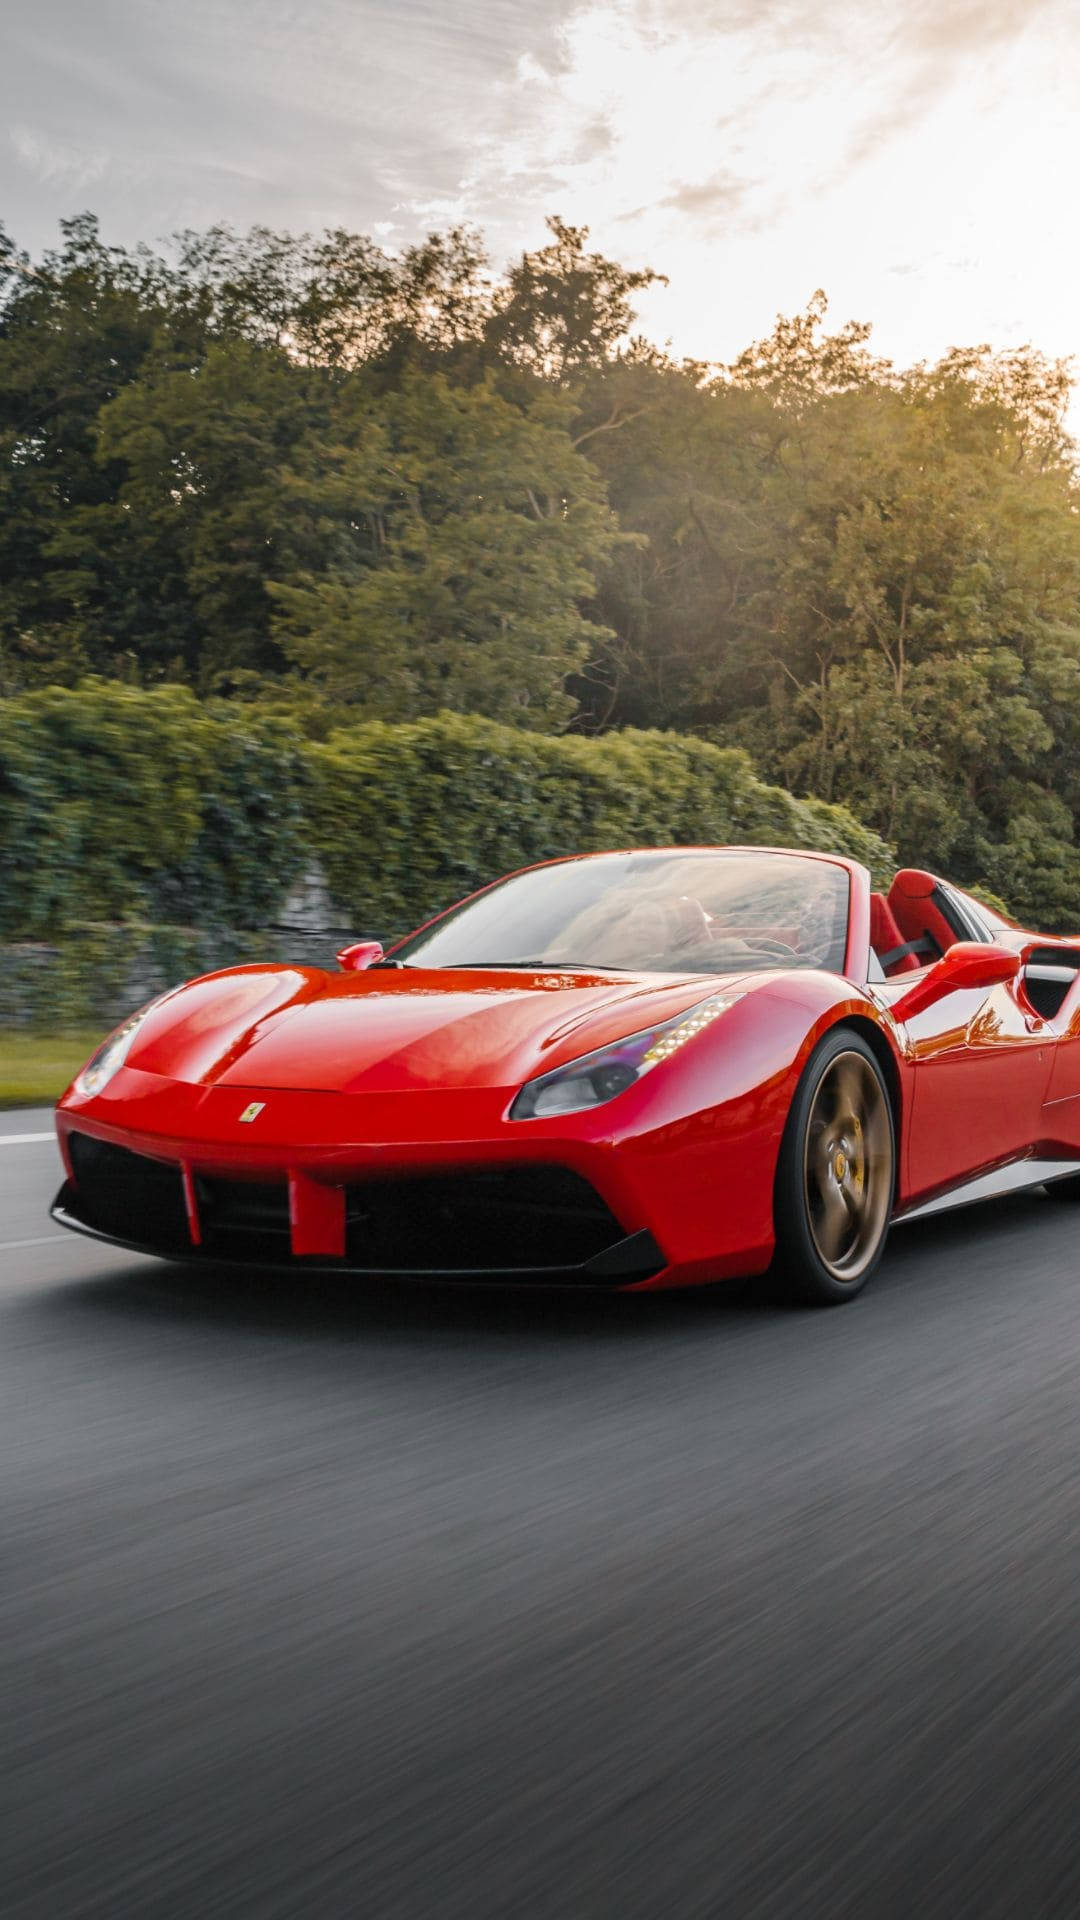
x=919, y=162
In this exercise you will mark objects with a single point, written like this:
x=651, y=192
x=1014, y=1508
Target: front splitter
x=627, y=1263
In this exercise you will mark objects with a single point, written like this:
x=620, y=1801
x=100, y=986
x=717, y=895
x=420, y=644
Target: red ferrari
x=643, y=1069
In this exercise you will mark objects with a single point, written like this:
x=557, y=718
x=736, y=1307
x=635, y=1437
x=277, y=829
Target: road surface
x=318, y=1601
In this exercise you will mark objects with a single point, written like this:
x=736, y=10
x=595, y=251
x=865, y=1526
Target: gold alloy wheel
x=847, y=1166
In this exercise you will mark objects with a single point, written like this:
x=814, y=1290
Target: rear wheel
x=835, y=1175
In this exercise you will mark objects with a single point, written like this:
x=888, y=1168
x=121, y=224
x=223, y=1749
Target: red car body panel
x=363, y=1078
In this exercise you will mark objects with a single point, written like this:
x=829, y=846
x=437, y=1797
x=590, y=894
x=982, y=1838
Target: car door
x=1052, y=983
x=982, y=1061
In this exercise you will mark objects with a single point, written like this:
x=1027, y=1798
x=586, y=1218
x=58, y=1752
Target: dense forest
x=311, y=478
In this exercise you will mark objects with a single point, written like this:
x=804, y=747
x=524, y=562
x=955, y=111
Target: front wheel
x=835, y=1175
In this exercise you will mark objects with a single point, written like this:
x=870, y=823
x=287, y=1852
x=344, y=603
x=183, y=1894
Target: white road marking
x=43, y=1240
x=24, y=1139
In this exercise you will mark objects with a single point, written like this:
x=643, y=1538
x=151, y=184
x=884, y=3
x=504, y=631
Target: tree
x=561, y=310
x=337, y=300
x=465, y=534
x=871, y=579
x=179, y=561
x=75, y=329
x=150, y=408
x=931, y=558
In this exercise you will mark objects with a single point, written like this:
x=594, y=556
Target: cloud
x=901, y=153
x=53, y=162
x=255, y=110
x=655, y=114
x=964, y=28
x=723, y=193
x=709, y=106
x=909, y=65
x=718, y=201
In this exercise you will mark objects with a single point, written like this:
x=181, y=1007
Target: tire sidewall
x=797, y=1262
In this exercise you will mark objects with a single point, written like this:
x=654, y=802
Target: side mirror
x=968, y=964
x=363, y=953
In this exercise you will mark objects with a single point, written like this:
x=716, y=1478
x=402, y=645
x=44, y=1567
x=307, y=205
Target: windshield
x=650, y=912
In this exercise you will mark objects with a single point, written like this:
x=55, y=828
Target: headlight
x=109, y=1058
x=599, y=1076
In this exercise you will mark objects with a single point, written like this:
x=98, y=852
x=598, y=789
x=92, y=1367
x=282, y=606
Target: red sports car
x=642, y=1069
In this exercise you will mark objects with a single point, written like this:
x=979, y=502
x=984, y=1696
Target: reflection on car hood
x=393, y=1030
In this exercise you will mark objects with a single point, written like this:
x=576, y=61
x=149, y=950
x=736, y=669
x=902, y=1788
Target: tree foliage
x=314, y=475
x=465, y=532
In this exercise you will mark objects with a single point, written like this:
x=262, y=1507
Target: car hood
x=295, y=1028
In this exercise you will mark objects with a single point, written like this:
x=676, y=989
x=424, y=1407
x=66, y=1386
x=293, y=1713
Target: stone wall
x=96, y=973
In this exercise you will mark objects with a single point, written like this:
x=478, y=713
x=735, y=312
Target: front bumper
x=687, y=1187
x=532, y=1224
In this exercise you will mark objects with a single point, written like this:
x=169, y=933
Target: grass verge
x=36, y=1067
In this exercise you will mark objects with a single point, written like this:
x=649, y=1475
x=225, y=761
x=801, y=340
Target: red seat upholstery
x=915, y=911
x=885, y=935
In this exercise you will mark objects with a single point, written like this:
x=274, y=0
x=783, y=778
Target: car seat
x=924, y=914
x=887, y=940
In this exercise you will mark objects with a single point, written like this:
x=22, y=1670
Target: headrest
x=914, y=884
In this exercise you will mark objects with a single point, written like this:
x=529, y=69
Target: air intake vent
x=244, y=1219
x=490, y=1221
x=129, y=1195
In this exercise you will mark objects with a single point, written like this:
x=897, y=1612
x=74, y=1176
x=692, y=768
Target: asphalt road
x=318, y=1601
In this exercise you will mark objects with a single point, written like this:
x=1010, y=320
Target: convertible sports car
x=642, y=1069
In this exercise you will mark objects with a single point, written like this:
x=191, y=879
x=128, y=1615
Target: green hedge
x=140, y=829
x=120, y=804
x=406, y=819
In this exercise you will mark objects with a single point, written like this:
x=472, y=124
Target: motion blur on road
x=320, y=1600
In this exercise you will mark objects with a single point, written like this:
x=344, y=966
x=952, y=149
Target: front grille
x=128, y=1195
x=521, y=1222
x=493, y=1221
x=244, y=1218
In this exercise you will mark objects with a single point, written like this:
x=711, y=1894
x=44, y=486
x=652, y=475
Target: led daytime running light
x=673, y=1038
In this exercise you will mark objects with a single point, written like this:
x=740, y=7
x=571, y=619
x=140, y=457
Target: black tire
x=835, y=1176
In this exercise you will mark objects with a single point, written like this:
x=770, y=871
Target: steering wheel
x=724, y=955
x=763, y=944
